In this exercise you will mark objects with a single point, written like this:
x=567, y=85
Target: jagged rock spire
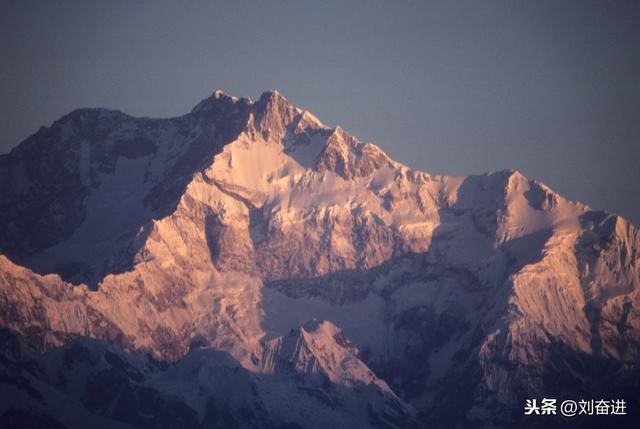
x=274, y=115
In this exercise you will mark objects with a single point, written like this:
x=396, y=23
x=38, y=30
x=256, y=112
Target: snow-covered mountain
x=249, y=236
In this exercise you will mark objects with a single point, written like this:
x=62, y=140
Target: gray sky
x=551, y=88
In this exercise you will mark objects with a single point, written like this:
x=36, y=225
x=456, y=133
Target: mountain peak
x=274, y=101
x=217, y=94
x=272, y=95
x=218, y=98
x=274, y=115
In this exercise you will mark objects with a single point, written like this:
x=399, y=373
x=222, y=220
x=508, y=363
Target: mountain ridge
x=236, y=223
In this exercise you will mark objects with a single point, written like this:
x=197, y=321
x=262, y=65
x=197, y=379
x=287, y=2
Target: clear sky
x=551, y=88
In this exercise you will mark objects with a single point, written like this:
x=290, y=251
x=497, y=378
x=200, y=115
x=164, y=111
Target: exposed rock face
x=234, y=226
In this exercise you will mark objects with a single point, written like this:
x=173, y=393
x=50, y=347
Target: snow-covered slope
x=242, y=224
x=87, y=383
